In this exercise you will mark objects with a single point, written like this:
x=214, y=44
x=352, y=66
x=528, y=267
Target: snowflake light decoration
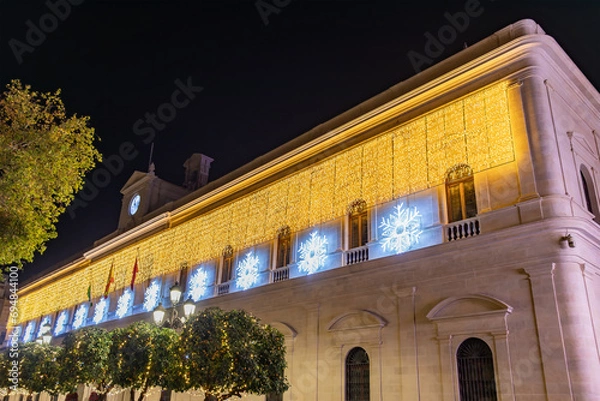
x=124, y=304
x=152, y=296
x=80, y=316
x=28, y=336
x=197, y=284
x=313, y=253
x=401, y=230
x=247, y=271
x=42, y=329
x=61, y=323
x=100, y=310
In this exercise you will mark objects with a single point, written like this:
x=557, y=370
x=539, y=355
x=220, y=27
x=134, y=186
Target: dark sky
x=263, y=84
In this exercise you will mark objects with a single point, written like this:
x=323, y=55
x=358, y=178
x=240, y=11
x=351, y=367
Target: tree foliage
x=222, y=353
x=39, y=368
x=229, y=353
x=144, y=356
x=85, y=360
x=5, y=370
x=44, y=155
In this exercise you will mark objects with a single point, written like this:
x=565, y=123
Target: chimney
x=196, y=171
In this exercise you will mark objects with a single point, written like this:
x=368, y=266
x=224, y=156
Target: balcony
x=223, y=289
x=280, y=274
x=356, y=255
x=463, y=229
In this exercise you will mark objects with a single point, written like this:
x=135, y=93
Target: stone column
x=409, y=366
x=542, y=138
x=547, y=320
x=522, y=149
x=578, y=331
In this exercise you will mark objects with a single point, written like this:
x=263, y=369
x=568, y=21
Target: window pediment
x=358, y=319
x=468, y=305
x=286, y=329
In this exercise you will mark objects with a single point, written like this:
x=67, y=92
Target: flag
x=111, y=279
x=135, y=270
x=89, y=293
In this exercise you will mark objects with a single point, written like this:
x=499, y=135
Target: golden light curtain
x=409, y=158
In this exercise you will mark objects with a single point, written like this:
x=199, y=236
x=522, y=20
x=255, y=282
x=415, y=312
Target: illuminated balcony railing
x=356, y=255
x=463, y=229
x=223, y=289
x=280, y=274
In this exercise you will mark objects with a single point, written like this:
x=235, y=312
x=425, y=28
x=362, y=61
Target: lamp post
x=174, y=321
x=45, y=334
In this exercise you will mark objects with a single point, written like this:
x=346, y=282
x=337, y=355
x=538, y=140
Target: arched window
x=284, y=246
x=359, y=224
x=475, y=365
x=357, y=375
x=589, y=193
x=460, y=193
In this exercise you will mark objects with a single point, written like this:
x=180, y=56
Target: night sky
x=266, y=76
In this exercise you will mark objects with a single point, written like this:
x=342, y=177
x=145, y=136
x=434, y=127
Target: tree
x=231, y=353
x=85, y=360
x=5, y=372
x=145, y=355
x=44, y=155
x=39, y=368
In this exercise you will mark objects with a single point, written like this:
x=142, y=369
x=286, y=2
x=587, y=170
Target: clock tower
x=144, y=193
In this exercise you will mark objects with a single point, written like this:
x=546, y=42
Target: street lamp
x=46, y=338
x=159, y=314
x=175, y=293
x=174, y=321
x=45, y=334
x=189, y=307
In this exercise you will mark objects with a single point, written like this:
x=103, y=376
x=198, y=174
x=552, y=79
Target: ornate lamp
x=175, y=293
x=159, y=314
x=189, y=307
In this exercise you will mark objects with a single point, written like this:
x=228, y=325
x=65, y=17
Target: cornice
x=139, y=231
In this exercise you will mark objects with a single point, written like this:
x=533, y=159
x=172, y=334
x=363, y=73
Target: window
x=358, y=224
x=357, y=375
x=284, y=246
x=183, y=274
x=589, y=194
x=227, y=264
x=475, y=365
x=165, y=395
x=460, y=193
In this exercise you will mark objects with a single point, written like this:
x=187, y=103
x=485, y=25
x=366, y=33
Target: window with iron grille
x=357, y=375
x=227, y=265
x=475, y=365
x=284, y=246
x=460, y=193
x=165, y=395
x=359, y=224
x=274, y=397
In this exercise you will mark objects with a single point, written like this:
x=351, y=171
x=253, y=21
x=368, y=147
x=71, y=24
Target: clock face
x=134, y=204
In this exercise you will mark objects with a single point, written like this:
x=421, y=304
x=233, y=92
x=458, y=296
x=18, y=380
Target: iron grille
x=357, y=375
x=476, y=371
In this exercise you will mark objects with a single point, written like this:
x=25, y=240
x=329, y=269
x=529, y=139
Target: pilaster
x=542, y=140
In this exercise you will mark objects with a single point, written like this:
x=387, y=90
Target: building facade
x=439, y=241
